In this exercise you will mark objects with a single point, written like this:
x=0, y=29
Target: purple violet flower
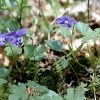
x=17, y=41
x=3, y=40
x=66, y=21
x=15, y=37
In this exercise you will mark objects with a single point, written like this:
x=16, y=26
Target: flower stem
x=36, y=65
x=11, y=49
x=16, y=19
x=13, y=57
x=20, y=15
x=71, y=38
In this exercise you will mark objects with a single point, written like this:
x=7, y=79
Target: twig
x=95, y=96
x=88, y=13
x=59, y=16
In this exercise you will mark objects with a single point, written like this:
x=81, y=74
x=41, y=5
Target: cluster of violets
x=66, y=21
x=14, y=37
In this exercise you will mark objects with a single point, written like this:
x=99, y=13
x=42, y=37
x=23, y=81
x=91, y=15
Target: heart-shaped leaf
x=54, y=44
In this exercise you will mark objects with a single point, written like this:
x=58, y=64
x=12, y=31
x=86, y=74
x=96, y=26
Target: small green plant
x=22, y=79
x=4, y=85
x=94, y=83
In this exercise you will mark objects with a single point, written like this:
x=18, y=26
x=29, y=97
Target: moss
x=50, y=79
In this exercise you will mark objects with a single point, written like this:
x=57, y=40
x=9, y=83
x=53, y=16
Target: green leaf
x=41, y=88
x=29, y=51
x=91, y=35
x=88, y=32
x=94, y=35
x=51, y=95
x=83, y=28
x=97, y=30
x=65, y=32
x=31, y=99
x=29, y=33
x=38, y=87
x=40, y=50
x=19, y=1
x=16, y=50
x=4, y=72
x=13, y=25
x=25, y=41
x=5, y=4
x=31, y=84
x=64, y=64
x=78, y=49
x=90, y=70
x=70, y=94
x=2, y=81
x=63, y=61
x=78, y=94
x=34, y=52
x=38, y=57
x=18, y=92
x=54, y=44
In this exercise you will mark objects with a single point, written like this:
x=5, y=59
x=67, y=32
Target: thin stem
x=36, y=71
x=21, y=8
x=16, y=19
x=45, y=20
x=11, y=49
x=16, y=2
x=88, y=13
x=64, y=52
x=14, y=57
x=91, y=56
x=20, y=14
x=74, y=72
x=81, y=65
x=29, y=64
x=71, y=38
